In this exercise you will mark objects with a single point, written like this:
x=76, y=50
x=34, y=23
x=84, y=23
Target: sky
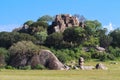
x=13, y=13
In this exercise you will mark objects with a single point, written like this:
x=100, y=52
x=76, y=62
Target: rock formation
x=100, y=49
x=45, y=58
x=101, y=66
x=63, y=21
x=82, y=66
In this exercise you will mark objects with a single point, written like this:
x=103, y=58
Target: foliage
x=29, y=22
x=41, y=37
x=114, y=51
x=9, y=38
x=105, y=41
x=91, y=41
x=85, y=55
x=37, y=27
x=25, y=67
x=4, y=56
x=45, y=18
x=94, y=25
x=116, y=38
x=24, y=47
x=92, y=28
x=103, y=56
x=75, y=35
x=9, y=67
x=39, y=66
x=54, y=39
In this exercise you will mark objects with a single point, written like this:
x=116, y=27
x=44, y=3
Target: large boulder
x=44, y=57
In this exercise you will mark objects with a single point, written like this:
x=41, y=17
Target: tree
x=41, y=37
x=21, y=53
x=116, y=38
x=29, y=22
x=37, y=27
x=104, y=39
x=54, y=39
x=9, y=38
x=23, y=48
x=3, y=56
x=91, y=41
x=45, y=18
x=75, y=35
x=94, y=25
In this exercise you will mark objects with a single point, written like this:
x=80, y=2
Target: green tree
x=9, y=38
x=37, y=27
x=46, y=18
x=29, y=22
x=23, y=47
x=75, y=35
x=93, y=26
x=105, y=41
x=41, y=37
x=116, y=38
x=91, y=41
x=3, y=56
x=54, y=39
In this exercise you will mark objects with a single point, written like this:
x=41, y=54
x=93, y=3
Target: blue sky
x=13, y=13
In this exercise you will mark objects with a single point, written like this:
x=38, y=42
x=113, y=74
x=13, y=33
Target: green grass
x=113, y=73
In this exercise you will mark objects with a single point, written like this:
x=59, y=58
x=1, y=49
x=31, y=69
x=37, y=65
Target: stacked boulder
x=63, y=21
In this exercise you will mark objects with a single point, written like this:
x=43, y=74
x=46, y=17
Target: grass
x=113, y=73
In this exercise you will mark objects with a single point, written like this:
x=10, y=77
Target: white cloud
x=9, y=27
x=110, y=27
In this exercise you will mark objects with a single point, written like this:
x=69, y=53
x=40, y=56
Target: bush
x=39, y=66
x=4, y=56
x=54, y=40
x=63, y=57
x=115, y=51
x=9, y=67
x=103, y=56
x=85, y=55
x=111, y=57
x=25, y=67
x=24, y=47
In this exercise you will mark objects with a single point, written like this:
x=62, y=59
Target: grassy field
x=113, y=73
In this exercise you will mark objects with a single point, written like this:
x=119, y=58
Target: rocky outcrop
x=63, y=21
x=45, y=58
x=100, y=49
x=101, y=66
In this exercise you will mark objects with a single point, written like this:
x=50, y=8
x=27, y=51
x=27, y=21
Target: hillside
x=67, y=36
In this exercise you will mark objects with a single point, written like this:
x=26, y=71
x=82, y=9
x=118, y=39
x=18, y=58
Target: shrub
x=4, y=56
x=24, y=47
x=39, y=66
x=111, y=57
x=85, y=55
x=25, y=67
x=54, y=40
x=9, y=67
x=63, y=57
x=102, y=56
